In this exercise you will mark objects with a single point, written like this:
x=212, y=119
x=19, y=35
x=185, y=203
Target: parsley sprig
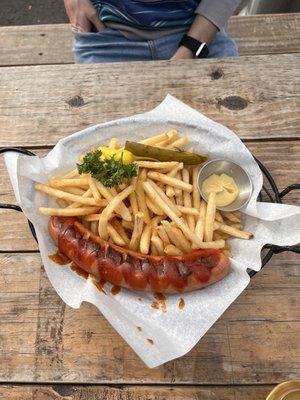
x=108, y=171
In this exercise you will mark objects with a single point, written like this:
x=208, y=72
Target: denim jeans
x=112, y=46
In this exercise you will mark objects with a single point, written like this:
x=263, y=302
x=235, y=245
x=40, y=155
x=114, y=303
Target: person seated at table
x=139, y=30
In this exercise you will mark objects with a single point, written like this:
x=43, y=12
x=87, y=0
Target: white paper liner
x=176, y=331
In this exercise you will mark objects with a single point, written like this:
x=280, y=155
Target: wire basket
x=269, y=192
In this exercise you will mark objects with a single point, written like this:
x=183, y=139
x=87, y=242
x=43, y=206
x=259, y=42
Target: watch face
x=201, y=47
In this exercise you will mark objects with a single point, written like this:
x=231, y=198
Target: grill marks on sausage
x=113, y=264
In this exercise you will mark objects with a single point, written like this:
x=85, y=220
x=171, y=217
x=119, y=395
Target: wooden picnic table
x=50, y=351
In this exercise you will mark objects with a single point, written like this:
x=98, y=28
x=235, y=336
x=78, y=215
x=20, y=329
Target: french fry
x=133, y=203
x=174, y=202
x=115, y=236
x=109, y=195
x=226, y=252
x=137, y=231
x=153, y=250
x=62, y=203
x=171, y=137
x=174, y=170
x=219, y=217
x=59, y=183
x=210, y=217
x=170, y=192
x=119, y=228
x=142, y=205
x=156, y=220
x=72, y=174
x=188, y=210
x=166, y=200
x=117, y=200
x=173, y=238
x=185, y=244
x=236, y=225
x=75, y=190
x=86, y=224
x=171, y=214
x=127, y=225
x=215, y=244
x=153, y=207
x=92, y=218
x=121, y=187
x=217, y=236
x=196, y=194
x=152, y=141
x=167, y=165
x=221, y=235
x=94, y=189
x=114, y=143
x=96, y=217
x=145, y=239
x=238, y=214
x=94, y=227
x=171, y=250
x=168, y=180
x=67, y=212
x=179, y=142
x=163, y=235
x=158, y=243
x=142, y=175
x=68, y=196
x=86, y=194
x=233, y=231
x=187, y=200
x=178, y=192
x=199, y=230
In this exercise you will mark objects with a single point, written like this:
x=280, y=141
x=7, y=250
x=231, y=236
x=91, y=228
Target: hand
x=83, y=15
x=183, y=53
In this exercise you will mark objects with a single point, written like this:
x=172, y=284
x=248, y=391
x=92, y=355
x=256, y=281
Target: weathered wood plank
x=257, y=97
x=62, y=392
x=261, y=34
x=281, y=158
x=42, y=340
x=52, y=44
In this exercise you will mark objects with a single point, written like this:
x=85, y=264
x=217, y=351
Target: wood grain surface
x=70, y=392
x=52, y=44
x=257, y=97
x=43, y=340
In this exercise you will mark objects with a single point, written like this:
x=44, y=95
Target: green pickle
x=157, y=153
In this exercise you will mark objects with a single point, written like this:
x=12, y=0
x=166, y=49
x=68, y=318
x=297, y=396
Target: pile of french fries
x=159, y=212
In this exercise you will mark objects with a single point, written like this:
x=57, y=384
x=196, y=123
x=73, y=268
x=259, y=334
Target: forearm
x=202, y=29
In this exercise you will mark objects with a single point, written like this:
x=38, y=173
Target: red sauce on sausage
x=79, y=271
x=59, y=258
x=115, y=290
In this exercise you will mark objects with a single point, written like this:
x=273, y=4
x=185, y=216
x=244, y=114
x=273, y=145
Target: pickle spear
x=142, y=150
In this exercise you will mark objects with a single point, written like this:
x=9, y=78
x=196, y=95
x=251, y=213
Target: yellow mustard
x=119, y=154
x=224, y=186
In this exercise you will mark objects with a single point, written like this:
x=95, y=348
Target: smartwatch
x=200, y=49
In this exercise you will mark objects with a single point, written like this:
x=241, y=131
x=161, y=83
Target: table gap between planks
x=56, y=349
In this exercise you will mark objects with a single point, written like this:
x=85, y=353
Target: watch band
x=200, y=49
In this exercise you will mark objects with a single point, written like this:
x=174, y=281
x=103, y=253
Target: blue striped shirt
x=147, y=14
